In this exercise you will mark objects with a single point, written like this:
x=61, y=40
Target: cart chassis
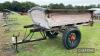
x=28, y=37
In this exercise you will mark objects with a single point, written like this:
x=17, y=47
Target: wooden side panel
x=57, y=19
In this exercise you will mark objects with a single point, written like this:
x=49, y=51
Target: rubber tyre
x=51, y=34
x=66, y=34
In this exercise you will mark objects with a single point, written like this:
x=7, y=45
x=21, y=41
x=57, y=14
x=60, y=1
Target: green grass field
x=90, y=39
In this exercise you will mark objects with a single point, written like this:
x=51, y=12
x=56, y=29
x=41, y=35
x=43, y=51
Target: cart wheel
x=51, y=34
x=71, y=38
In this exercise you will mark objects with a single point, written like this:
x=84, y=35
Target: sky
x=66, y=2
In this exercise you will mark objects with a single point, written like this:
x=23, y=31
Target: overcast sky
x=73, y=2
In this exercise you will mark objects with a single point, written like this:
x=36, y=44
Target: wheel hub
x=72, y=37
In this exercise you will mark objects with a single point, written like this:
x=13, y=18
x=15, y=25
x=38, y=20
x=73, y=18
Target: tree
x=98, y=5
x=53, y=6
x=57, y=6
x=92, y=6
x=45, y=6
x=69, y=6
x=15, y=6
x=1, y=7
x=25, y=6
x=6, y=5
x=62, y=6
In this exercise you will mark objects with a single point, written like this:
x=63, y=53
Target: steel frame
x=25, y=40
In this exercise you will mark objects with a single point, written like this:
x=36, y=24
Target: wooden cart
x=51, y=22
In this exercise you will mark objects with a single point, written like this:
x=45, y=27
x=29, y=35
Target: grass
x=90, y=39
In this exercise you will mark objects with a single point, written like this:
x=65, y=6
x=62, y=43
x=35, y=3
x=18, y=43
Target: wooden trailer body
x=49, y=18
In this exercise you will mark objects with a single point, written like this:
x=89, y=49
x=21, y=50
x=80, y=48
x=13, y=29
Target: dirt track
x=5, y=48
